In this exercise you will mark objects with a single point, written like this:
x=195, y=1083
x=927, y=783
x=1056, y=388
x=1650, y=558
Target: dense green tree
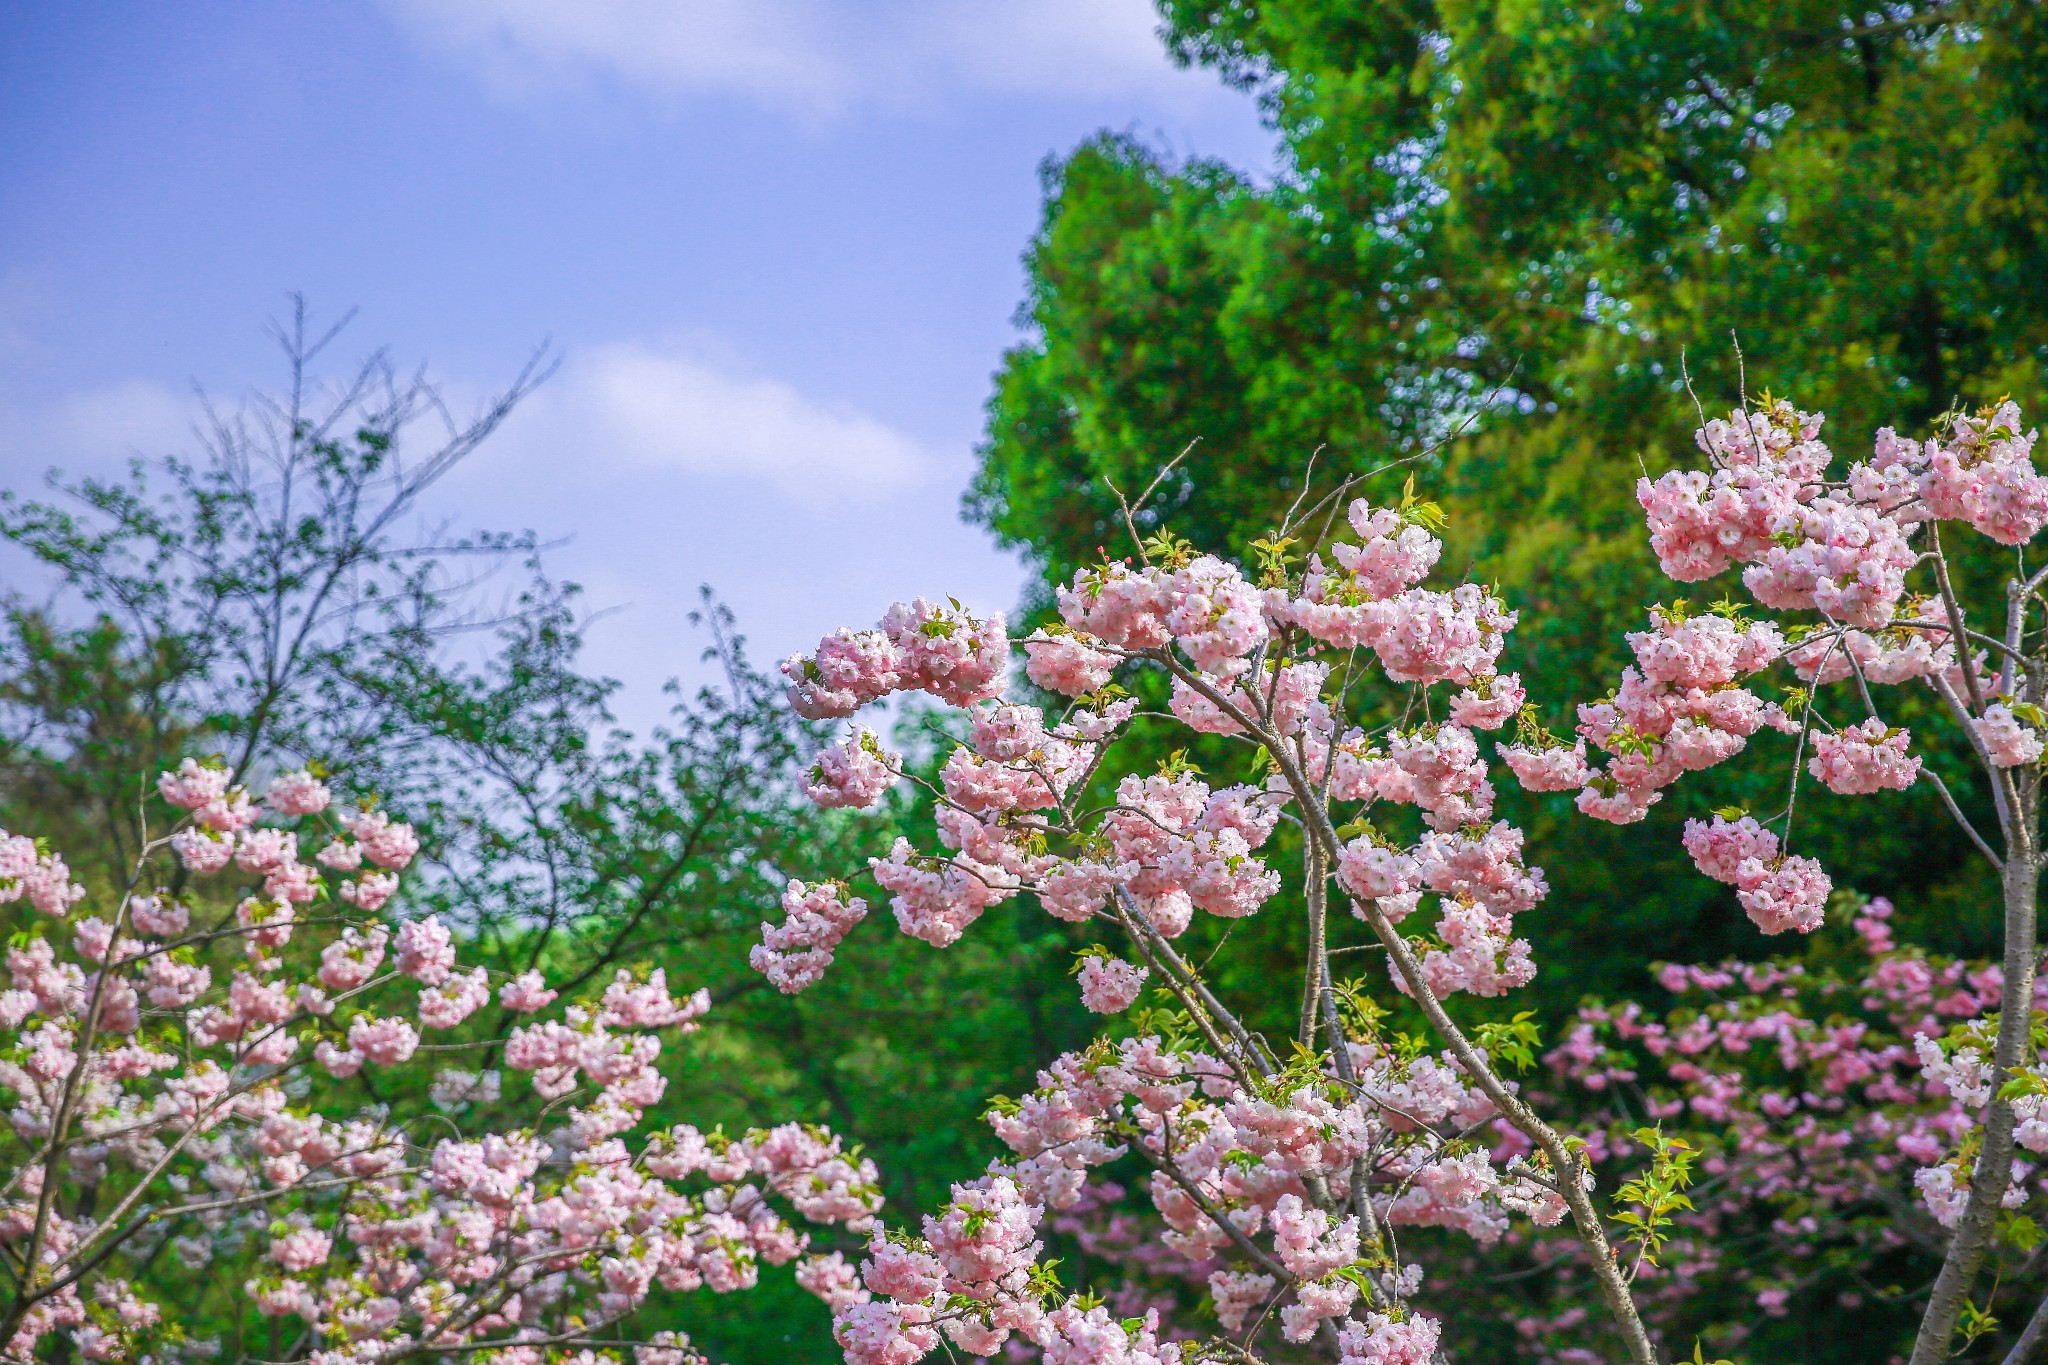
x=1500, y=235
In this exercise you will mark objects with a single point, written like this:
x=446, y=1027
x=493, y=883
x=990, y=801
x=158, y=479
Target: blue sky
x=776, y=243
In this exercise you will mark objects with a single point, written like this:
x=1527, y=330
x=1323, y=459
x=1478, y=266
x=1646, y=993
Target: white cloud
x=652, y=468
x=96, y=431
x=767, y=49
x=628, y=409
x=1061, y=47
x=813, y=57
x=633, y=407
x=137, y=417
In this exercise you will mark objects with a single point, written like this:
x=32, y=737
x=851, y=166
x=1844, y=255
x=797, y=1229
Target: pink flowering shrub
x=190, y=1096
x=1860, y=580
x=1832, y=1102
x=1281, y=1177
x=1280, y=1174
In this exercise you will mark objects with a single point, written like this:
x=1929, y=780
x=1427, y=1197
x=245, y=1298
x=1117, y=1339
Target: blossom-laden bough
x=198, y=1093
x=1823, y=1099
x=1364, y=691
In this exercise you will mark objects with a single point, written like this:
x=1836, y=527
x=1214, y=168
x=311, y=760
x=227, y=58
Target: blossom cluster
x=1241, y=1167
x=1275, y=1177
x=1820, y=1099
x=1171, y=844
x=944, y=650
x=1839, y=552
x=1370, y=698
x=178, y=1090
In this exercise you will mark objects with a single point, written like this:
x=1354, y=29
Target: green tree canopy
x=1498, y=231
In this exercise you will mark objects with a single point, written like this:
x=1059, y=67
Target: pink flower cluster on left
x=198, y=1093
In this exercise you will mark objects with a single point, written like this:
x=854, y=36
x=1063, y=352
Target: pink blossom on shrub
x=1859, y=759
x=1109, y=985
x=857, y=771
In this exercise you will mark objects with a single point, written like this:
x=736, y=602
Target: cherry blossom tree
x=1363, y=698
x=1866, y=598
x=191, y=1099
x=1288, y=1162
x=199, y=1081
x=1830, y=1103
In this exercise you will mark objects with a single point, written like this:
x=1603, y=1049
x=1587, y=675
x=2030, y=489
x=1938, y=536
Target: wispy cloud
x=94, y=430
x=651, y=467
x=1058, y=47
x=634, y=406
x=813, y=58
x=630, y=409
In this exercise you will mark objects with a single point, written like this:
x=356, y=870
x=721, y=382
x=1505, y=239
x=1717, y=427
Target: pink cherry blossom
x=371, y=891
x=1214, y=614
x=353, y=958
x=297, y=793
x=947, y=651
x=1315, y=1302
x=424, y=951
x=2009, y=743
x=1763, y=460
x=1983, y=473
x=1118, y=605
x=526, y=993
x=832, y=1279
x=262, y=850
x=937, y=899
x=1063, y=663
x=158, y=915
x=1424, y=636
x=856, y=772
x=454, y=1000
x=1720, y=847
x=1109, y=985
x=194, y=784
x=202, y=851
x=92, y=937
x=1790, y=894
x=1704, y=651
x=1374, y=871
x=1615, y=802
x=1548, y=769
x=1306, y=1240
x=1489, y=703
x=386, y=1042
x=1237, y=1295
x=1074, y=890
x=301, y=1249
x=1348, y=680
x=1864, y=758
x=385, y=842
x=632, y=1002
x=878, y=1333
x=1380, y=1340
x=848, y=670
x=1394, y=553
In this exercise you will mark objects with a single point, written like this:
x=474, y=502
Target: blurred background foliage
x=1501, y=237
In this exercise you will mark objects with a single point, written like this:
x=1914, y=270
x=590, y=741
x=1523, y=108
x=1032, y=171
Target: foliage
x=1515, y=222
